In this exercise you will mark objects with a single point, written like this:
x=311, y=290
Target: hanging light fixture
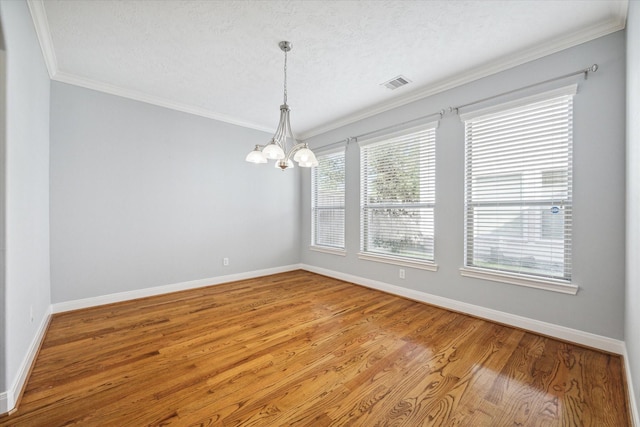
x=283, y=147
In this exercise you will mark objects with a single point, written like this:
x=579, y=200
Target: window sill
x=328, y=250
x=422, y=265
x=531, y=282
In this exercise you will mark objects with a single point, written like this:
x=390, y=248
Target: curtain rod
x=585, y=71
x=355, y=138
x=441, y=113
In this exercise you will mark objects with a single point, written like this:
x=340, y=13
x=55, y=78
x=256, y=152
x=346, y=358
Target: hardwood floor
x=303, y=349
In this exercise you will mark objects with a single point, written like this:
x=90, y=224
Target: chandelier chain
x=285, y=76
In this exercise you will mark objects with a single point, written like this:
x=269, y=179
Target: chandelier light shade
x=256, y=156
x=283, y=147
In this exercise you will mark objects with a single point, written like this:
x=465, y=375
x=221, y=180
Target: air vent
x=396, y=82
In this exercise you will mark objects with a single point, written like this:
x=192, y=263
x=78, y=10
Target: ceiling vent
x=396, y=82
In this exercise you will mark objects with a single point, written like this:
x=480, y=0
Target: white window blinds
x=398, y=195
x=327, y=200
x=518, y=184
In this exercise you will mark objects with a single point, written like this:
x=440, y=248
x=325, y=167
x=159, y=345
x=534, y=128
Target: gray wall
x=599, y=196
x=27, y=285
x=144, y=196
x=632, y=309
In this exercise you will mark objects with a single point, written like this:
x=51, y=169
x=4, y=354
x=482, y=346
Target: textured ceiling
x=221, y=58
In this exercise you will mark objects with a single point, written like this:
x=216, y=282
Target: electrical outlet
x=225, y=262
x=402, y=273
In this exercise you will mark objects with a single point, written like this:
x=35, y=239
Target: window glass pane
x=518, y=189
x=398, y=196
x=517, y=239
x=329, y=227
x=404, y=232
x=327, y=200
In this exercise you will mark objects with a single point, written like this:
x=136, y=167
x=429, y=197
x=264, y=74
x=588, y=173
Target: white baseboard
x=633, y=403
x=165, y=289
x=549, y=329
x=9, y=398
x=568, y=334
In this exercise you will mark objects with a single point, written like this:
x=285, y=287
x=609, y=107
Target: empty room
x=319, y=213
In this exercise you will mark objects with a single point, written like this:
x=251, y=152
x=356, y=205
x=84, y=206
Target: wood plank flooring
x=306, y=350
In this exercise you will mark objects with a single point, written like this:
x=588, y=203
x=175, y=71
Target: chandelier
x=283, y=147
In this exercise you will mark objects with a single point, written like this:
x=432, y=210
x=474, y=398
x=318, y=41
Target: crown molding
x=41, y=24
x=43, y=32
x=135, y=95
x=494, y=67
x=621, y=10
x=615, y=23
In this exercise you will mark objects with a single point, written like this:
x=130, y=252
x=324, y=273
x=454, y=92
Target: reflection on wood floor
x=302, y=349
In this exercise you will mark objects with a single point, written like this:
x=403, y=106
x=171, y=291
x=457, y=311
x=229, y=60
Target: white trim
x=165, y=289
x=512, y=279
x=9, y=398
x=41, y=24
x=4, y=407
x=422, y=265
x=509, y=61
x=555, y=45
x=633, y=404
x=531, y=99
x=64, y=77
x=494, y=67
x=549, y=329
x=327, y=250
x=321, y=151
x=382, y=136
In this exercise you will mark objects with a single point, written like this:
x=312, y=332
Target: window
x=327, y=201
x=518, y=187
x=398, y=197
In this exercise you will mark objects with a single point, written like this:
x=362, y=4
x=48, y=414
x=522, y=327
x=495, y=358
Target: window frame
x=315, y=246
x=405, y=261
x=562, y=285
